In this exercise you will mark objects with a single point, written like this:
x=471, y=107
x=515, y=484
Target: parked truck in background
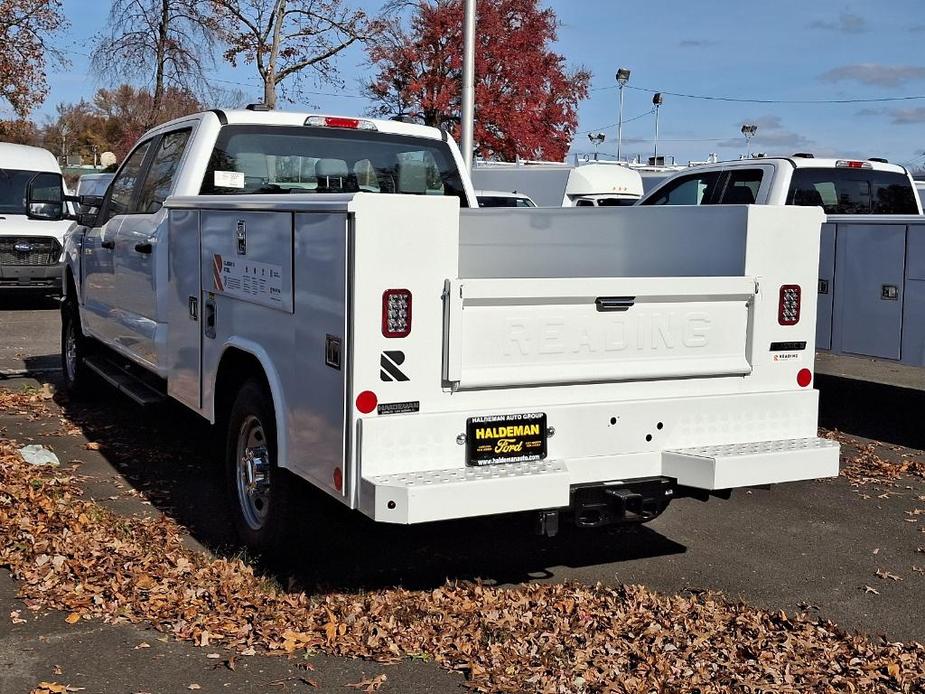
x=31, y=237
x=871, y=294
x=318, y=289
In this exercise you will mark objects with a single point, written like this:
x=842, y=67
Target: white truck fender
x=276, y=392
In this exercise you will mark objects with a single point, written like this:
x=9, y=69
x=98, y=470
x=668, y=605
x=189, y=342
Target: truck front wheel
x=73, y=350
x=257, y=487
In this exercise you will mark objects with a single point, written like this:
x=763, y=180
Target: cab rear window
x=853, y=191
x=266, y=160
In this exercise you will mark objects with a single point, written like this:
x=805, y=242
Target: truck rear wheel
x=257, y=487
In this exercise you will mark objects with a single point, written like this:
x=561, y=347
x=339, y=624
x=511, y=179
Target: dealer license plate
x=505, y=438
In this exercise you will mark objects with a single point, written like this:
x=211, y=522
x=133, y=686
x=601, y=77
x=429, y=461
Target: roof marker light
x=339, y=122
x=846, y=164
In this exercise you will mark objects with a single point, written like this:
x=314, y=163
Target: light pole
x=468, y=85
x=623, y=76
x=657, y=101
x=749, y=130
x=596, y=139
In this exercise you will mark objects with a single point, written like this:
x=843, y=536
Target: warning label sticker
x=261, y=283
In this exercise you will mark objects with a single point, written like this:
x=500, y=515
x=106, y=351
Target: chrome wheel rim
x=70, y=351
x=253, y=472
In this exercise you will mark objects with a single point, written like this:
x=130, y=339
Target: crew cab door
x=141, y=254
x=98, y=281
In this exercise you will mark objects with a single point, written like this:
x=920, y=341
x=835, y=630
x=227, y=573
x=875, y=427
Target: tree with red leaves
x=27, y=28
x=526, y=99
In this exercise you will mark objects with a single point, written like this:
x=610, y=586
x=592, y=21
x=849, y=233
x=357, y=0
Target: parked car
x=311, y=286
x=31, y=235
x=94, y=184
x=499, y=198
x=591, y=184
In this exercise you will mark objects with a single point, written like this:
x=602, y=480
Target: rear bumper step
x=750, y=464
x=419, y=497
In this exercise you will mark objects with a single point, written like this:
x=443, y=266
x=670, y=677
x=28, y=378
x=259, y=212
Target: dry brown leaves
x=73, y=555
x=862, y=464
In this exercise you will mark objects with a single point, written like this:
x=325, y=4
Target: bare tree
x=285, y=38
x=168, y=43
x=26, y=27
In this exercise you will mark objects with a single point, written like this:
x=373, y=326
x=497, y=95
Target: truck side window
x=160, y=177
x=742, y=187
x=124, y=185
x=696, y=189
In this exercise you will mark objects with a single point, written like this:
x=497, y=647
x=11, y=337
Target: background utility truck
x=317, y=288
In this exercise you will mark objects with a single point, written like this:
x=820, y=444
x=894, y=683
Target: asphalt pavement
x=810, y=546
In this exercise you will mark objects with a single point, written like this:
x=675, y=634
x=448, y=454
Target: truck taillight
x=396, y=313
x=788, y=306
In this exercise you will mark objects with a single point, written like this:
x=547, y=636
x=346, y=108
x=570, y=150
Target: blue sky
x=786, y=50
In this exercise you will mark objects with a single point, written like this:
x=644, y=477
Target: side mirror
x=45, y=197
x=89, y=210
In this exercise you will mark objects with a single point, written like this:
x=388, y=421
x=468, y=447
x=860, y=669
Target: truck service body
x=418, y=360
x=871, y=292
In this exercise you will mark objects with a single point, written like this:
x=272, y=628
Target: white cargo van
x=31, y=236
x=589, y=184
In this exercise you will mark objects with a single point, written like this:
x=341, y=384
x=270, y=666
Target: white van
x=31, y=238
x=550, y=184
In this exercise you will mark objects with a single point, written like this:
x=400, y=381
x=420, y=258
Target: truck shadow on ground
x=165, y=454
x=872, y=410
x=14, y=300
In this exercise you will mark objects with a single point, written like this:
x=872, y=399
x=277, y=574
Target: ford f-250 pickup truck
x=316, y=287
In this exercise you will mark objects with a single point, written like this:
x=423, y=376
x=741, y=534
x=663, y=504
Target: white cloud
x=847, y=23
x=875, y=74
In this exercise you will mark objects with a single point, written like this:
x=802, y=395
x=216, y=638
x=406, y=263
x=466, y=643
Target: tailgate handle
x=614, y=303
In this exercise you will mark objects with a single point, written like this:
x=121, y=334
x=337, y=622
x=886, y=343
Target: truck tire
x=258, y=489
x=73, y=351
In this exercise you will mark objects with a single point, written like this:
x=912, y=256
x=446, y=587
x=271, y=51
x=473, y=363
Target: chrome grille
x=29, y=251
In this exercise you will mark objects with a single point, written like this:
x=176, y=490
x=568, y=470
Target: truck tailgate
x=518, y=332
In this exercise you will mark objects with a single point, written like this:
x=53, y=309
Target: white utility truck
x=31, y=236
x=316, y=287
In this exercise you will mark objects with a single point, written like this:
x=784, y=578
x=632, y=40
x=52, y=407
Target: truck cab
x=839, y=186
x=121, y=281
x=31, y=237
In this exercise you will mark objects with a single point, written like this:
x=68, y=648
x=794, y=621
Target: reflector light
x=338, y=478
x=845, y=164
x=367, y=401
x=788, y=306
x=339, y=122
x=804, y=377
x=396, y=313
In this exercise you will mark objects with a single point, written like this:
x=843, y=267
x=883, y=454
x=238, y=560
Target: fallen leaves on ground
x=535, y=637
x=370, y=685
x=862, y=464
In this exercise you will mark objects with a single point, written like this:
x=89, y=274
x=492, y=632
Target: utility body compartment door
x=518, y=332
x=184, y=309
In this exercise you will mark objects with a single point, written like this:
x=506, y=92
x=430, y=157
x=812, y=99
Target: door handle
x=144, y=247
x=614, y=303
x=108, y=244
